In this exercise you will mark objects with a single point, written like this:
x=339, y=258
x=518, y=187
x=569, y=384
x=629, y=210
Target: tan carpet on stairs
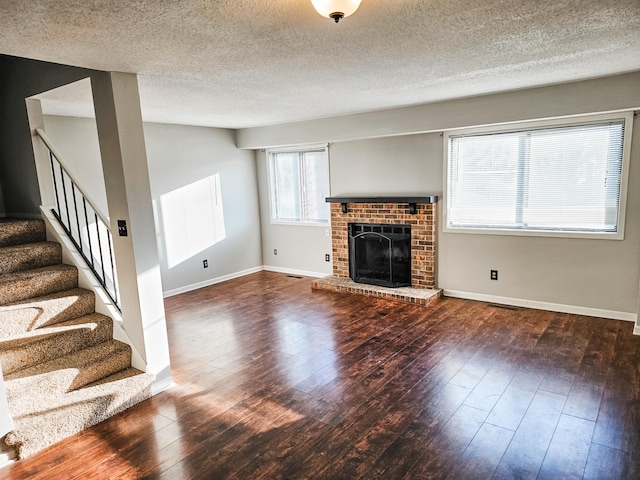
x=63, y=370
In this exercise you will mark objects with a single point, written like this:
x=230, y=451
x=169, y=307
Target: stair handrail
x=75, y=180
x=110, y=288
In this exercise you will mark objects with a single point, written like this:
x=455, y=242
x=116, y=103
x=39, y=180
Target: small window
x=299, y=185
x=565, y=179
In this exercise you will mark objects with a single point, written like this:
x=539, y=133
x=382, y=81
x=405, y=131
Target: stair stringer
x=86, y=279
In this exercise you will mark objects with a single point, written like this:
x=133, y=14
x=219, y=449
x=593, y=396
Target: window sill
x=536, y=233
x=301, y=223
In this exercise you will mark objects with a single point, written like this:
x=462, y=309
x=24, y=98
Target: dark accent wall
x=21, y=78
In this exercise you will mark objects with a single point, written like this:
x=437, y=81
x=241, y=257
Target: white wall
x=301, y=249
x=591, y=276
x=76, y=139
x=178, y=156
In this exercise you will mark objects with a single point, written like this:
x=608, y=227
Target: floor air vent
x=294, y=276
x=504, y=307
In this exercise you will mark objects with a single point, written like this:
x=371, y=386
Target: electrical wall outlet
x=494, y=274
x=275, y=251
x=205, y=263
x=327, y=258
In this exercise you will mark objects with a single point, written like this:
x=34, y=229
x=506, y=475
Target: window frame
x=626, y=116
x=296, y=149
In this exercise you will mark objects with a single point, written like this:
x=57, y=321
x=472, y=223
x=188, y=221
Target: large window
x=299, y=185
x=546, y=178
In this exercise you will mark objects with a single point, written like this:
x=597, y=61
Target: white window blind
x=299, y=186
x=563, y=178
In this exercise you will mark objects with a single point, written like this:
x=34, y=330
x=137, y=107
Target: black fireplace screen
x=380, y=254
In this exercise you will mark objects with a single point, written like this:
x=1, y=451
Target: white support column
x=41, y=154
x=126, y=174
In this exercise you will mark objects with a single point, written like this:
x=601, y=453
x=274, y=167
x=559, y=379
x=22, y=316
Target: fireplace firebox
x=380, y=254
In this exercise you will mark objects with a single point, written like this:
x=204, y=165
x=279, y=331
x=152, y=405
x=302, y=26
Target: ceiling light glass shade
x=336, y=9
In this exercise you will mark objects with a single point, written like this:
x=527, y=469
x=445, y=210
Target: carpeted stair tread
x=27, y=389
x=34, y=283
x=63, y=370
x=29, y=256
x=89, y=323
x=45, y=344
x=18, y=231
x=75, y=411
x=33, y=313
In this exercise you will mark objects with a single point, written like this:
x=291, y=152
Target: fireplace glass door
x=380, y=254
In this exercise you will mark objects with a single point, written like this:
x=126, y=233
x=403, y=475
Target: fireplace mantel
x=412, y=201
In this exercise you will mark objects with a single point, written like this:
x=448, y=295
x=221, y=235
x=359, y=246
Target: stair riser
x=19, y=232
x=55, y=346
x=18, y=289
x=29, y=257
x=45, y=311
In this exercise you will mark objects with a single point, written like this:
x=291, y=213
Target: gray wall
x=404, y=165
x=593, y=274
x=384, y=166
x=588, y=96
x=600, y=274
x=596, y=274
x=20, y=79
x=178, y=156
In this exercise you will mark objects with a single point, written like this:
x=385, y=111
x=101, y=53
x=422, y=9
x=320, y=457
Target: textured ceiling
x=241, y=63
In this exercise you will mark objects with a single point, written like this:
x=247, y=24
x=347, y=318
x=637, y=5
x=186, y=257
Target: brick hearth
x=423, y=248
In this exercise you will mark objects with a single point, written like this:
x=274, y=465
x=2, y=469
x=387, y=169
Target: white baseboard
x=554, y=307
x=242, y=273
x=7, y=454
x=161, y=385
x=7, y=459
x=293, y=271
x=636, y=329
x=211, y=281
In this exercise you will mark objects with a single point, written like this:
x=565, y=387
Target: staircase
x=63, y=370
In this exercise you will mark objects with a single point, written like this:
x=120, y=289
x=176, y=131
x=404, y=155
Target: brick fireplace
x=418, y=212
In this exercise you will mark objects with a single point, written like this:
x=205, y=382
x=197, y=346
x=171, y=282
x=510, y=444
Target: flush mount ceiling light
x=336, y=9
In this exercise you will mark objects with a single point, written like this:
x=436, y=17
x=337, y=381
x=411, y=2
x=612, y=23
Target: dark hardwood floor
x=274, y=381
